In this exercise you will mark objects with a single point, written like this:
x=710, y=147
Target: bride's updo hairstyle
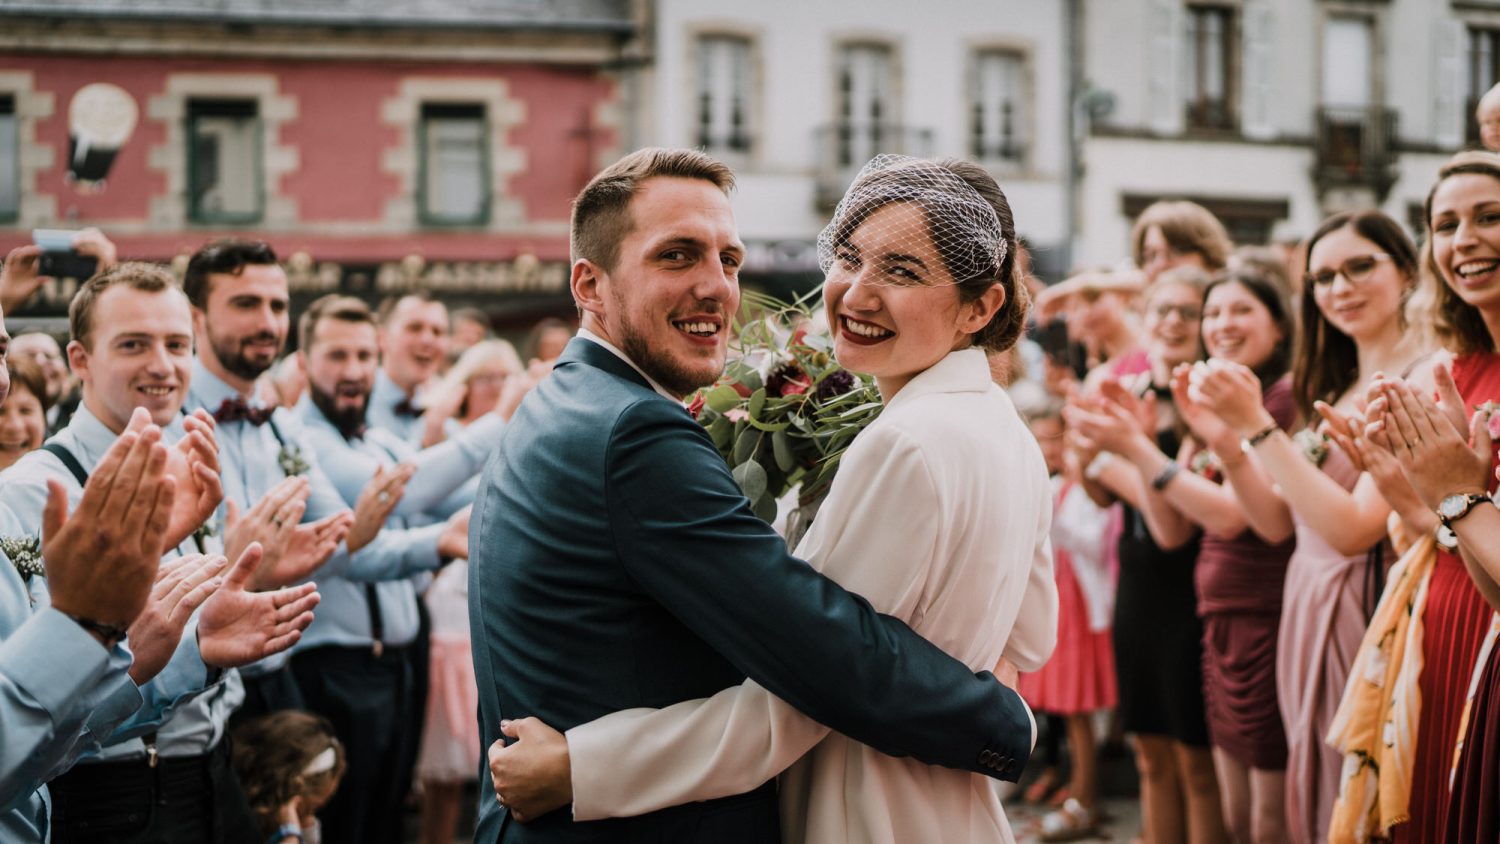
x=968, y=219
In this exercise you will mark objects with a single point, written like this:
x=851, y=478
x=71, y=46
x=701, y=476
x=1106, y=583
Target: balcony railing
x=1356, y=148
x=843, y=148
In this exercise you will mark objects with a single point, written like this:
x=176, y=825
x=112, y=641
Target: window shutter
x=1448, y=105
x=1256, y=89
x=1165, y=104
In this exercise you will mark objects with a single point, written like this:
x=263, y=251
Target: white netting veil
x=962, y=226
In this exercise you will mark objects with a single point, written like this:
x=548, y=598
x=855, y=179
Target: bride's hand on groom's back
x=1008, y=674
x=533, y=774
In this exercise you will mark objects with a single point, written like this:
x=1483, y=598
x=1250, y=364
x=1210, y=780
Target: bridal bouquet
x=784, y=412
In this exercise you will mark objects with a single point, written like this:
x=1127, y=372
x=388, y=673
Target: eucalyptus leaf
x=781, y=446
x=765, y=508
x=721, y=430
x=757, y=403
x=744, y=447
x=721, y=398
x=752, y=479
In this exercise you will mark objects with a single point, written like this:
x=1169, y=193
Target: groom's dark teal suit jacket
x=615, y=564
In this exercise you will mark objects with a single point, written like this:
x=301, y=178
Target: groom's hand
x=534, y=774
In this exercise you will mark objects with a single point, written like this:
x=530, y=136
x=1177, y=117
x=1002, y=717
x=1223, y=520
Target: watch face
x=1453, y=506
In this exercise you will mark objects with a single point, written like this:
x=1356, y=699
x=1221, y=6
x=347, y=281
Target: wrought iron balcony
x=843, y=148
x=1356, y=148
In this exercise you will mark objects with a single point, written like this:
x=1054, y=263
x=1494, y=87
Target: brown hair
x=1455, y=322
x=956, y=246
x=1188, y=227
x=28, y=373
x=1326, y=362
x=332, y=306
x=270, y=754
x=601, y=212
x=228, y=256
x=149, y=278
x=389, y=304
x=1274, y=300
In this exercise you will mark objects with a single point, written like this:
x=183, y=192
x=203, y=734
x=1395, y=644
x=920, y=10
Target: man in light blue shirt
x=136, y=364
x=358, y=664
x=240, y=313
x=413, y=345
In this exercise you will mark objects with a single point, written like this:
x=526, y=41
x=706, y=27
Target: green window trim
x=218, y=108
x=439, y=111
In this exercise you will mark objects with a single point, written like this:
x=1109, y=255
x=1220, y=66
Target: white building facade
x=796, y=96
x=1273, y=113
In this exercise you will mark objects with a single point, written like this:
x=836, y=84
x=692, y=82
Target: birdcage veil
x=963, y=226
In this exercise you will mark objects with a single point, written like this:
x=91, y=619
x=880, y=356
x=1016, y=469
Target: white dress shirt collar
x=591, y=336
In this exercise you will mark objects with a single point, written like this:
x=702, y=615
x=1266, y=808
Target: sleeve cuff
x=54, y=659
x=588, y=760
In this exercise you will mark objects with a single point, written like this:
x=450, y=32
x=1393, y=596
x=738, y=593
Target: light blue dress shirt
x=198, y=721
x=61, y=694
x=440, y=485
x=249, y=467
x=381, y=413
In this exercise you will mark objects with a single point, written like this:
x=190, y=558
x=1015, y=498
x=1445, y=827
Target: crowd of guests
x=1276, y=548
x=172, y=478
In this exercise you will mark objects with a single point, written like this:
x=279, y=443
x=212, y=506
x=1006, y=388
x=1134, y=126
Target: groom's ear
x=588, y=284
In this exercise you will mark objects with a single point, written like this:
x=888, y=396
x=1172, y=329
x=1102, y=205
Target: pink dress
x=1323, y=617
x=450, y=735
x=1080, y=676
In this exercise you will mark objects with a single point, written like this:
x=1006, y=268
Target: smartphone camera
x=59, y=259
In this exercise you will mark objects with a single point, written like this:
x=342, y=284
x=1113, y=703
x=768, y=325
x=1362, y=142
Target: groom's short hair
x=601, y=212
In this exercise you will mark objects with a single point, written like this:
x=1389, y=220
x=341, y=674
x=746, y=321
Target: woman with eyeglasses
x=1361, y=268
x=1158, y=637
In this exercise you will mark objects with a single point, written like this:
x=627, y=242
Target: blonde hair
x=475, y=358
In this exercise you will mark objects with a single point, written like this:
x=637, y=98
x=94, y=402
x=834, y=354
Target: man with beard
x=134, y=366
x=358, y=663
x=616, y=564
x=413, y=347
x=240, y=302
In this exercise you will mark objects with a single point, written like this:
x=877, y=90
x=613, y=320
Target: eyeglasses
x=1356, y=269
x=1188, y=313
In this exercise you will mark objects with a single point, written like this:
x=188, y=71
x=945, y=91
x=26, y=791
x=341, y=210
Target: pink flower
x=736, y=414
x=695, y=406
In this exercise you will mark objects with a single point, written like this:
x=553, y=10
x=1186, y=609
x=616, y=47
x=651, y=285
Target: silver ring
x=276, y=520
x=384, y=497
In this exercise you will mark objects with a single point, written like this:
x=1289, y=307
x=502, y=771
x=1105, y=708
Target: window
x=224, y=166
x=1210, y=67
x=455, y=181
x=1483, y=73
x=1348, y=65
x=997, y=124
x=10, y=164
x=865, y=94
x=724, y=94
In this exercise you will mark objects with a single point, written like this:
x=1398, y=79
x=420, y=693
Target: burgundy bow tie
x=235, y=410
x=406, y=408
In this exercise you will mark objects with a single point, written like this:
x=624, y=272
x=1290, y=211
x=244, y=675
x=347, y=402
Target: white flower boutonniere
x=1314, y=445
x=291, y=461
x=25, y=553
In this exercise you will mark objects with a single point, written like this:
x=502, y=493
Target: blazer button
x=985, y=756
x=1010, y=767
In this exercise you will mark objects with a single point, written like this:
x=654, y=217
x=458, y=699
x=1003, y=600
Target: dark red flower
x=835, y=383
x=695, y=406
x=741, y=389
x=786, y=380
x=795, y=386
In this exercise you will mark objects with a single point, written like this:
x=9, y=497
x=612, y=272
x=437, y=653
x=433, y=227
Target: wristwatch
x=1458, y=505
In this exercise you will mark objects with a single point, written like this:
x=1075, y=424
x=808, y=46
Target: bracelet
x=1262, y=435
x=1097, y=466
x=285, y=831
x=1165, y=476
x=109, y=632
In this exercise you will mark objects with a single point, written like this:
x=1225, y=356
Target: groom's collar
x=585, y=334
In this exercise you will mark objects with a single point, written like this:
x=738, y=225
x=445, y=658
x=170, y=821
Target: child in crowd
x=289, y=764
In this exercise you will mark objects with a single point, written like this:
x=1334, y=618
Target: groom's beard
x=675, y=377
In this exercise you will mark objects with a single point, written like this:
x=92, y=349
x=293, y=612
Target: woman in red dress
x=1462, y=260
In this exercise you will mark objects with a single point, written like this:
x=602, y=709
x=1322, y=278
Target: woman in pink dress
x=1361, y=268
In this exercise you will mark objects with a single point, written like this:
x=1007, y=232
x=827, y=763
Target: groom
x=615, y=563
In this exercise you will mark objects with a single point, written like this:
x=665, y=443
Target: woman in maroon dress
x=1462, y=261
x=1239, y=572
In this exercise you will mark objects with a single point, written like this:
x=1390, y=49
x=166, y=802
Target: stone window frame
x=755, y=97
x=502, y=111
x=273, y=109
x=32, y=157
x=1026, y=53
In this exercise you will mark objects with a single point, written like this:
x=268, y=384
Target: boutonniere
x=1314, y=445
x=291, y=461
x=1207, y=464
x=25, y=553
x=209, y=528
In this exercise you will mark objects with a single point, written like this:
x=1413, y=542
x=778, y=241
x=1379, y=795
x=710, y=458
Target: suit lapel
x=581, y=350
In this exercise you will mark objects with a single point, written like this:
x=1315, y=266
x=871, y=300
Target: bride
x=939, y=515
